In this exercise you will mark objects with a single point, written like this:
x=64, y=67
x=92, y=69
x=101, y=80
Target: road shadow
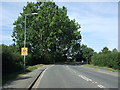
x=11, y=82
x=71, y=63
x=23, y=77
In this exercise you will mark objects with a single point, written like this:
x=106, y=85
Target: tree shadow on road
x=71, y=63
x=22, y=77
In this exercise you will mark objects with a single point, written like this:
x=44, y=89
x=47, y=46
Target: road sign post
x=24, y=52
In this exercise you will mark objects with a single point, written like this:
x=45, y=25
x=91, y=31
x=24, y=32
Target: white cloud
x=99, y=24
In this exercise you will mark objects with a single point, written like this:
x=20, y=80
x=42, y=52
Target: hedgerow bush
x=108, y=59
x=11, y=60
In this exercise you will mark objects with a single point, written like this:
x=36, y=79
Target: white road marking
x=86, y=78
x=71, y=69
x=100, y=86
x=39, y=79
x=95, y=82
x=37, y=83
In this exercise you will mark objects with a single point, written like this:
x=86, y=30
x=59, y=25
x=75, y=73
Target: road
x=71, y=76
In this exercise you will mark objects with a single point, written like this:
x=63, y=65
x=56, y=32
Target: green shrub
x=108, y=59
x=48, y=58
x=11, y=59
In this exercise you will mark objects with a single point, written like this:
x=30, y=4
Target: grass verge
x=14, y=75
x=102, y=68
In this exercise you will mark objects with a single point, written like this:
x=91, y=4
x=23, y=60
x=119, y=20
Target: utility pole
x=25, y=35
x=24, y=40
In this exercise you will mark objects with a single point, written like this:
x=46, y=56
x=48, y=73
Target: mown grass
x=14, y=75
x=102, y=68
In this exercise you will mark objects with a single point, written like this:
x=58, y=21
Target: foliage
x=105, y=50
x=87, y=53
x=50, y=32
x=11, y=59
x=107, y=58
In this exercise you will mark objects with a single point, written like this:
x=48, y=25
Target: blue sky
x=98, y=20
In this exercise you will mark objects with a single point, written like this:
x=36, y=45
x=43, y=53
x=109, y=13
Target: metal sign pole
x=25, y=36
x=24, y=40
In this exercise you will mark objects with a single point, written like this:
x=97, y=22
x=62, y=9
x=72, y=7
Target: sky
x=98, y=21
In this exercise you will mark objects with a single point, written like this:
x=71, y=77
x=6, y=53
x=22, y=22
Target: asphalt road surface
x=71, y=76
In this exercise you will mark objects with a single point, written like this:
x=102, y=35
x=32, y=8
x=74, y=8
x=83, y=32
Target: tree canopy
x=49, y=32
x=107, y=58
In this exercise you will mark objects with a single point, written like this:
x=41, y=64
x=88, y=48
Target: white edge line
x=39, y=79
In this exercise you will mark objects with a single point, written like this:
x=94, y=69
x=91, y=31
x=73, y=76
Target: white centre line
x=95, y=82
x=86, y=78
x=100, y=86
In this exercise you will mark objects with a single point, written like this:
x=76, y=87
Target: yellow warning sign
x=24, y=51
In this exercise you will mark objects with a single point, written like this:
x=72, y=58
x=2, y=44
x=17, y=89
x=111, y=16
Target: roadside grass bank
x=102, y=68
x=14, y=75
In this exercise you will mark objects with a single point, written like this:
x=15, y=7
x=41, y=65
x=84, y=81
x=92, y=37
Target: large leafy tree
x=87, y=53
x=50, y=32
